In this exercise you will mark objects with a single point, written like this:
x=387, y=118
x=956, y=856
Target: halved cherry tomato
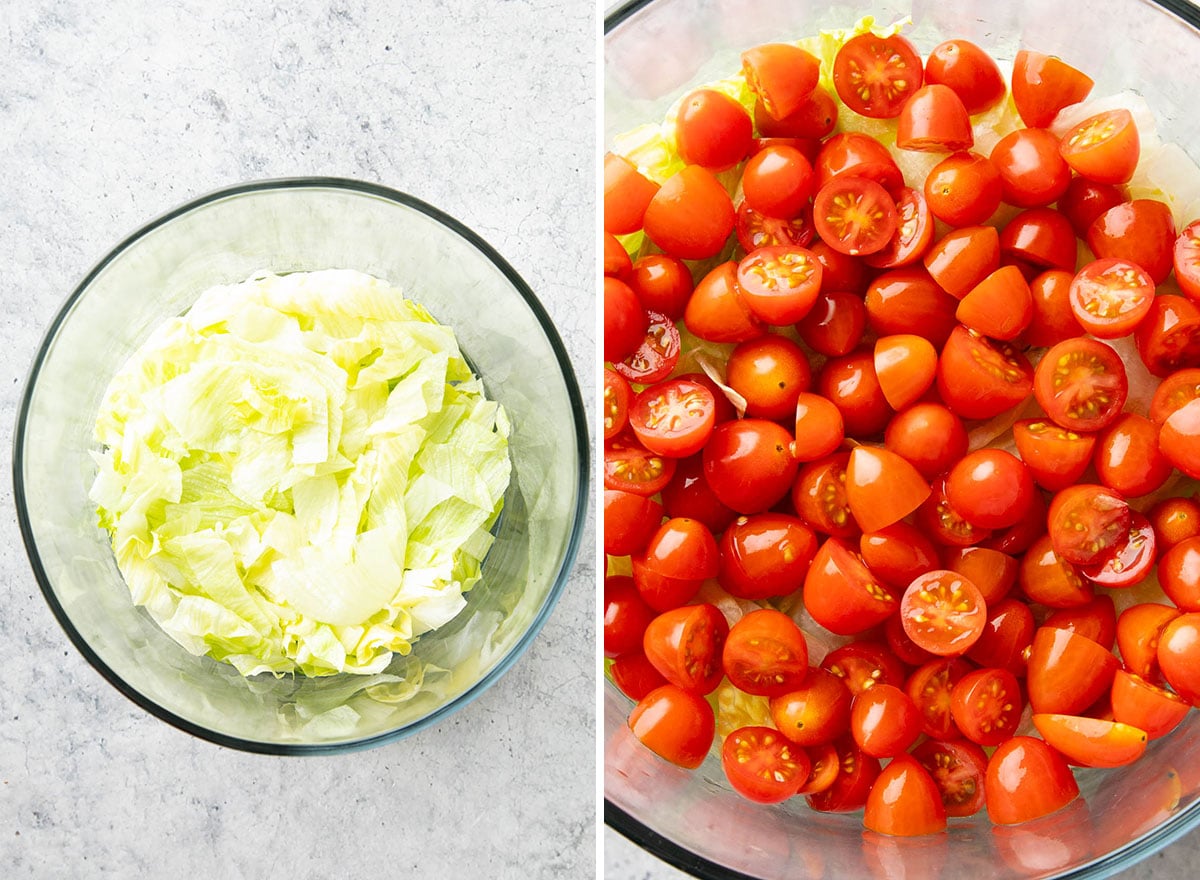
x=906, y=366
x=964, y=189
x=1091, y=742
x=853, y=154
x=969, y=71
x=749, y=464
x=1053, y=318
x=1140, y=704
x=979, y=379
x=626, y=195
x=763, y=766
x=1081, y=384
x=1085, y=200
x=957, y=768
x=930, y=687
x=856, y=777
x=1006, y=637
x=825, y=768
x=814, y=118
x=630, y=521
x=986, y=705
x=691, y=215
x=626, y=616
x=874, y=76
x=905, y=801
x=842, y=271
x=1179, y=439
x=1174, y=392
x=673, y=418
x=864, y=665
x=1097, y=620
x=712, y=130
x=625, y=320
x=1128, y=459
x=777, y=181
x=755, y=230
x=999, y=306
x=1085, y=521
x=1056, y=457
x=1111, y=297
x=663, y=283
x=897, y=553
x=676, y=561
x=1032, y=172
x=990, y=488
x=630, y=467
x=881, y=487
x=1020, y=537
x=914, y=232
x=1042, y=237
x=854, y=215
x=943, y=612
x=1050, y=580
x=1174, y=520
x=616, y=403
x=819, y=427
x=1168, y=339
x=1139, y=628
x=687, y=494
x=1141, y=231
x=766, y=654
x=635, y=675
x=934, y=120
x=993, y=572
x=816, y=712
x=929, y=436
x=616, y=259
x=819, y=496
x=834, y=327
x=908, y=301
x=1104, y=147
x=1185, y=257
x=716, y=310
x=1178, y=656
x=905, y=649
x=1042, y=85
x=851, y=385
x=779, y=284
x=685, y=645
x=884, y=721
x=1067, y=672
x=770, y=373
x=675, y=724
x=782, y=75
x=1026, y=779
x=841, y=594
x=656, y=357
x=765, y=555
x=943, y=523
x=1179, y=574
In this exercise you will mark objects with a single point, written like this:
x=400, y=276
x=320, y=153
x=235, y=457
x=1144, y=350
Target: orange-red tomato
x=842, y=594
x=905, y=801
x=906, y=366
x=1000, y=306
x=1032, y=171
x=1042, y=85
x=1068, y=672
x=1104, y=147
x=874, y=76
x=964, y=189
x=782, y=75
x=718, y=312
x=765, y=654
x=675, y=724
x=943, y=612
x=1091, y=742
x=763, y=766
x=1027, y=779
x=626, y=195
x=770, y=373
x=815, y=713
x=691, y=215
x=969, y=71
x=881, y=487
x=884, y=721
x=986, y=705
x=933, y=120
x=765, y=555
x=712, y=130
x=685, y=645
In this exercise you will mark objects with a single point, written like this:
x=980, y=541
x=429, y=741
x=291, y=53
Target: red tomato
x=766, y=654
x=663, y=284
x=945, y=524
x=630, y=467
x=635, y=675
x=616, y=259
x=816, y=712
x=934, y=120
x=1091, y=742
x=749, y=464
x=1174, y=520
x=1042, y=85
x=777, y=181
x=1026, y=779
x=1111, y=297
x=819, y=496
x=673, y=418
x=779, y=284
x=1006, y=637
x=1032, y=172
x=1097, y=620
x=1129, y=560
x=716, y=310
x=626, y=616
x=990, y=488
x=897, y=553
x=819, y=427
x=625, y=320
x=1104, y=147
x=943, y=612
x=765, y=555
x=851, y=385
x=1053, y=318
x=999, y=306
x=1139, y=628
x=993, y=572
x=852, y=154
x=762, y=766
x=674, y=724
x=755, y=230
x=884, y=721
x=881, y=487
x=630, y=521
x=685, y=645
x=1141, y=232
x=1081, y=384
x=914, y=232
x=687, y=494
x=841, y=594
x=1179, y=574
x=957, y=768
x=782, y=75
x=979, y=379
x=1179, y=656
x=1168, y=339
x=929, y=436
x=856, y=776
x=814, y=118
x=969, y=71
x=1067, y=672
x=824, y=771
x=712, y=130
x=834, y=327
x=1173, y=393
x=874, y=76
x=691, y=215
x=1128, y=459
x=906, y=366
x=1056, y=458
x=770, y=373
x=1020, y=537
x=854, y=215
x=1050, y=580
x=616, y=403
x=626, y=195
x=907, y=301
x=986, y=705
x=1185, y=257
x=1140, y=704
x=905, y=801
x=1042, y=237
x=864, y=665
x=1085, y=200
x=905, y=649
x=842, y=272
x=1085, y=521
x=964, y=189
x=1179, y=439
x=930, y=687
x=656, y=357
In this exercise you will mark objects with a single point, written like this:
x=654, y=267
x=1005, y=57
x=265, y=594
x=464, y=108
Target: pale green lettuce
x=300, y=474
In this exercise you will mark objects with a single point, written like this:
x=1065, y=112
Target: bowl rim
x=696, y=865
x=578, y=413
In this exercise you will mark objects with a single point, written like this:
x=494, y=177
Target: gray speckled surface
x=110, y=114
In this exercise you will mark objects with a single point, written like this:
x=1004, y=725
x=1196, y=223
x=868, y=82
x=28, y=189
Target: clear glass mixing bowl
x=292, y=226
x=653, y=51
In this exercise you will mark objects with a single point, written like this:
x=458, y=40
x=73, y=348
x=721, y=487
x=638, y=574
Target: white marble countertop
x=114, y=112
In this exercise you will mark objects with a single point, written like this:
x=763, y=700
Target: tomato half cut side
x=756, y=230
x=854, y=215
x=685, y=645
x=943, y=612
x=766, y=654
x=1168, y=338
x=1144, y=705
x=657, y=356
x=986, y=705
x=875, y=76
x=631, y=467
x=1086, y=521
x=864, y=664
x=819, y=496
x=1055, y=456
x=1091, y=742
x=1185, y=256
x=1174, y=392
x=1111, y=297
x=765, y=555
x=763, y=766
x=957, y=767
x=779, y=284
x=1081, y=384
x=857, y=772
x=914, y=232
x=978, y=378
x=1104, y=147
x=930, y=687
x=945, y=525
x=617, y=394
x=824, y=769
x=842, y=594
x=673, y=418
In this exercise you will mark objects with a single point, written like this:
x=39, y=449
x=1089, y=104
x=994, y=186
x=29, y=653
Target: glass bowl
x=654, y=51
x=291, y=226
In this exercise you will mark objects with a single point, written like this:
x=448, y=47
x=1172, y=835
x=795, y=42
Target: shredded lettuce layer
x=300, y=474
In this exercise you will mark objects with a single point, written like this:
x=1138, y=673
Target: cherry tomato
x=1141, y=232
x=1042, y=85
x=842, y=272
x=999, y=306
x=675, y=724
x=934, y=120
x=1185, y=257
x=626, y=195
x=1067, y=672
x=777, y=181
x=626, y=616
x=782, y=75
x=630, y=521
x=688, y=495
x=1178, y=655
x=1179, y=574
x=819, y=496
x=1096, y=620
x=853, y=154
x=993, y=572
x=630, y=467
x=930, y=687
x=1053, y=318
x=875, y=76
x=717, y=311
x=1006, y=637
x=749, y=464
x=854, y=215
x=929, y=436
x=957, y=768
x=897, y=553
x=1050, y=580
x=979, y=379
x=1081, y=384
x=1139, y=628
x=990, y=488
x=841, y=594
x=914, y=232
x=834, y=326
x=663, y=284
x=1085, y=200
x=779, y=284
x=1056, y=458
x=625, y=320
x=906, y=366
x=1128, y=459
x=1174, y=520
x=763, y=766
x=770, y=373
x=1091, y=742
x=1032, y=172
x=1179, y=439
x=814, y=118
x=1026, y=779
x=685, y=645
x=884, y=721
x=1087, y=520
x=635, y=675
x=986, y=705
x=1111, y=297
x=964, y=189
x=1104, y=147
x=969, y=71
x=673, y=418
x=943, y=523
x=908, y=301
x=1020, y=537
x=856, y=777
x=1129, y=560
x=816, y=712
x=1042, y=237
x=656, y=357
x=864, y=665
x=943, y=612
x=616, y=403
x=905, y=649
x=825, y=768
x=819, y=427
x=691, y=215
x=765, y=555
x=1168, y=339
x=616, y=259
x=766, y=654
x=1146, y=706
x=850, y=383
x=755, y=230
x=905, y=801
x=712, y=130
x=881, y=487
